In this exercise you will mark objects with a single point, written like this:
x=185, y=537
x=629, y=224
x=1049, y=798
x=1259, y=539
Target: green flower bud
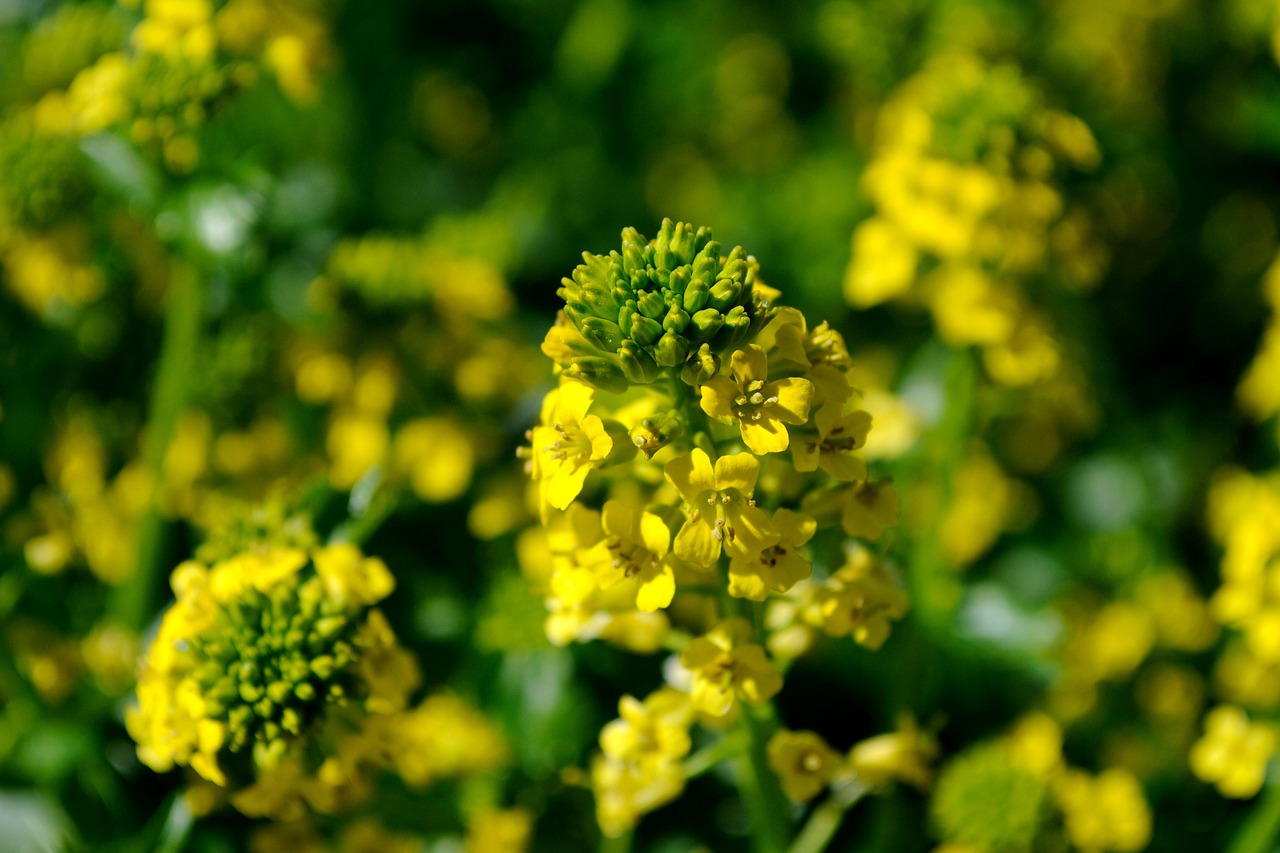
x=637, y=365
x=650, y=305
x=672, y=350
x=677, y=320
x=699, y=369
x=602, y=333
x=725, y=293
x=652, y=434
x=599, y=373
x=645, y=331
x=696, y=295
x=705, y=324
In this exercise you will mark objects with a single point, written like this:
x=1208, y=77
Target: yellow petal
x=756, y=679
x=752, y=530
x=573, y=401
x=601, y=441
x=747, y=364
x=654, y=534
x=564, y=484
x=795, y=528
x=794, y=397
x=717, y=398
x=844, y=466
x=692, y=474
x=695, y=544
x=656, y=591
x=738, y=471
x=765, y=436
x=805, y=453
x=746, y=580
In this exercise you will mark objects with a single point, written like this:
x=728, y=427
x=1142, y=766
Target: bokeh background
x=270, y=258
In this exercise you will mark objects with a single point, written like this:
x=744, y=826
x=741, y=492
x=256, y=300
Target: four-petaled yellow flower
x=833, y=450
x=804, y=763
x=761, y=408
x=721, y=514
x=567, y=444
x=725, y=665
x=635, y=546
x=778, y=567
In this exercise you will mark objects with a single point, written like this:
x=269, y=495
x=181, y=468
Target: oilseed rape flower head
x=273, y=676
x=697, y=440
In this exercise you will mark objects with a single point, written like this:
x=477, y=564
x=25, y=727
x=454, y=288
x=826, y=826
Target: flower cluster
x=183, y=58
x=719, y=434
x=966, y=209
x=278, y=681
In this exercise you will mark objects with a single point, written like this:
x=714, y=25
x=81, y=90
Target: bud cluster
x=671, y=302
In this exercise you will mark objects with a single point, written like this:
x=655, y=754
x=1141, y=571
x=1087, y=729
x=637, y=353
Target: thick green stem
x=1261, y=830
x=760, y=789
x=133, y=600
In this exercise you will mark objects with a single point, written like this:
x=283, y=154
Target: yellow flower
x=883, y=265
x=861, y=599
x=804, y=763
x=639, y=767
x=870, y=509
x=437, y=455
x=725, y=665
x=499, y=831
x=761, y=408
x=721, y=513
x=1106, y=812
x=568, y=443
x=442, y=737
x=779, y=567
x=1233, y=753
x=635, y=546
x=905, y=755
x=833, y=450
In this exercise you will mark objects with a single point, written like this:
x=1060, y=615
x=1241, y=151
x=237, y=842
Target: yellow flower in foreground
x=1233, y=753
x=635, y=546
x=761, y=408
x=568, y=443
x=725, y=666
x=1106, y=812
x=804, y=763
x=779, y=567
x=721, y=514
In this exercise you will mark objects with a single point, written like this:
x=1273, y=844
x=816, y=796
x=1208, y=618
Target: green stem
x=621, y=844
x=944, y=452
x=1261, y=829
x=729, y=746
x=826, y=819
x=132, y=601
x=760, y=789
